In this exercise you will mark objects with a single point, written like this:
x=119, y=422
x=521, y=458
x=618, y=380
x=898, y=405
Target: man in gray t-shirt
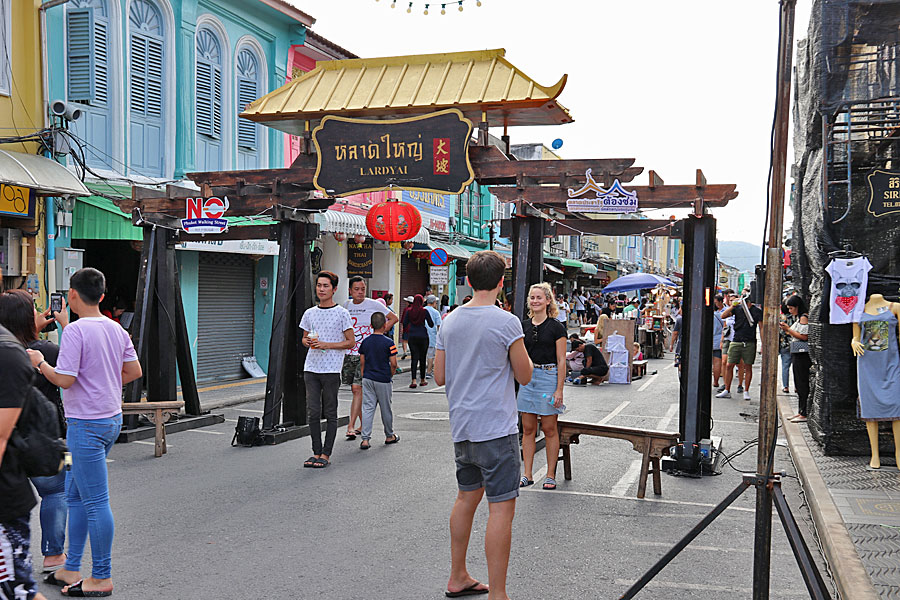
x=480, y=352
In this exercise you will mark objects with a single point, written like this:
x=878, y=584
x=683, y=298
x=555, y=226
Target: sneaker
x=721, y=388
x=724, y=394
x=740, y=389
x=746, y=395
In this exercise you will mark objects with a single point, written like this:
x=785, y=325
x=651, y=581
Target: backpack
x=247, y=432
x=40, y=450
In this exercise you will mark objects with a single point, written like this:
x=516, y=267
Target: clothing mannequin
x=879, y=379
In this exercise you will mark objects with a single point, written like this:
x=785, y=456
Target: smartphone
x=56, y=303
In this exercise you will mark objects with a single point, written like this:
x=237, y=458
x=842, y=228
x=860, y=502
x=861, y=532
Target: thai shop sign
x=427, y=153
x=360, y=258
x=434, y=208
x=593, y=198
x=884, y=193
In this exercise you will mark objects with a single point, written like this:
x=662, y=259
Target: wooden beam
x=247, y=206
x=655, y=180
x=614, y=227
x=492, y=168
x=668, y=196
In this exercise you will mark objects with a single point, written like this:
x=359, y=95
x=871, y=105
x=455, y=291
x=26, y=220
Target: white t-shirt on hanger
x=849, y=280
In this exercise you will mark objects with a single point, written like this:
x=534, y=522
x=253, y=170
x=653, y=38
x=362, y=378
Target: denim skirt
x=536, y=398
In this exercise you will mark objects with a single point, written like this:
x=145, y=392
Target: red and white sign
x=205, y=215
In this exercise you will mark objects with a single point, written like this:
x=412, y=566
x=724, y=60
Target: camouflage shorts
x=350, y=373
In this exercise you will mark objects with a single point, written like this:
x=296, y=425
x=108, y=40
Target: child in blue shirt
x=378, y=363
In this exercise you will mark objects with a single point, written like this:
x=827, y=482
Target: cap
x=409, y=298
x=431, y=298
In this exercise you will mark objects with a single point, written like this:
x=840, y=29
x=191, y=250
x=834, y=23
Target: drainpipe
x=50, y=207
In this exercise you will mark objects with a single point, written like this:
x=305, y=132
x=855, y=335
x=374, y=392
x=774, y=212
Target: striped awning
x=334, y=221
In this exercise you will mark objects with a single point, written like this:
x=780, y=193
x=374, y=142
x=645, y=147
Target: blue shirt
x=377, y=351
x=436, y=323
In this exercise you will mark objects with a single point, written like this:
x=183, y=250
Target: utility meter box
x=68, y=260
x=11, y=252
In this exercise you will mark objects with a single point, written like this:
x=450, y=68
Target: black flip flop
x=350, y=437
x=393, y=441
x=469, y=591
x=52, y=580
x=75, y=591
x=310, y=462
x=320, y=463
x=364, y=445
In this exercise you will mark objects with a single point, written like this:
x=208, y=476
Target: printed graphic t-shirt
x=849, y=280
x=361, y=318
x=330, y=324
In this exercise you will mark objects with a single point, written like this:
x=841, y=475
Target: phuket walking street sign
x=884, y=193
x=426, y=153
x=612, y=200
x=205, y=215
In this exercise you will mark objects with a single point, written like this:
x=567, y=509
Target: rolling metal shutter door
x=225, y=319
x=413, y=279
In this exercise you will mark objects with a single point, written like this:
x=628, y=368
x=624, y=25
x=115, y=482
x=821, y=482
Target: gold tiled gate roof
x=404, y=85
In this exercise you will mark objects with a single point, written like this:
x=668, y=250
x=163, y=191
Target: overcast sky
x=676, y=85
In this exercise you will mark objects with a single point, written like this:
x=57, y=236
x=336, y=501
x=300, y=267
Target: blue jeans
x=785, y=367
x=87, y=492
x=53, y=512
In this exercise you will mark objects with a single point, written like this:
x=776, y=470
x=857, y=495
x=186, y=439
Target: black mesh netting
x=846, y=123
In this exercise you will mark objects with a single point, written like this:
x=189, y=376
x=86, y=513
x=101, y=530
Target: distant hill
x=743, y=255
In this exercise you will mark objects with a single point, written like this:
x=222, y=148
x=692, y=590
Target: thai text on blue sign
x=593, y=198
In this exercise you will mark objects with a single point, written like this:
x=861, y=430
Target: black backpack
x=36, y=439
x=247, y=432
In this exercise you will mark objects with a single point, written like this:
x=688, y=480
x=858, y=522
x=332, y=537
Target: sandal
x=310, y=462
x=525, y=482
x=785, y=390
x=320, y=463
x=364, y=445
x=75, y=591
x=423, y=383
x=549, y=483
x=52, y=580
x=413, y=385
x=393, y=441
x=472, y=590
x=350, y=436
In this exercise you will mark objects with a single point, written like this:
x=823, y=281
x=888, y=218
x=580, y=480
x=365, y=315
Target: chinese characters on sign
x=613, y=200
x=360, y=155
x=884, y=193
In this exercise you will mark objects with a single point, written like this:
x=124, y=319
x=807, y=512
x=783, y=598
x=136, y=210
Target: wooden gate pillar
x=528, y=258
x=285, y=387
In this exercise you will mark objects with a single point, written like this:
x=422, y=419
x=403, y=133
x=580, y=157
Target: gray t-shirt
x=480, y=386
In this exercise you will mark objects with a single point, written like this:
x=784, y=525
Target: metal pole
x=768, y=419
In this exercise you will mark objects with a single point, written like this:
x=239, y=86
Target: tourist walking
x=545, y=341
x=18, y=315
x=580, y=309
x=96, y=358
x=718, y=330
x=784, y=345
x=327, y=331
x=798, y=332
x=416, y=322
x=378, y=363
x=361, y=310
x=430, y=303
x=479, y=353
x=742, y=349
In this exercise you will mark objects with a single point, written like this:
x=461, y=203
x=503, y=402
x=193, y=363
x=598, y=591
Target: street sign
x=439, y=257
x=440, y=275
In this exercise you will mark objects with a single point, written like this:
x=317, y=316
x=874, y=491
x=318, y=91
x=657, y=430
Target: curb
x=217, y=404
x=850, y=575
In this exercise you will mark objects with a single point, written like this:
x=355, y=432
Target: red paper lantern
x=393, y=221
x=340, y=237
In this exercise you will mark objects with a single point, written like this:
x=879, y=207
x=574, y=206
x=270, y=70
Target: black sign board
x=360, y=258
x=884, y=193
x=426, y=153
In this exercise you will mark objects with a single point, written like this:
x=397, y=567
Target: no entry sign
x=439, y=257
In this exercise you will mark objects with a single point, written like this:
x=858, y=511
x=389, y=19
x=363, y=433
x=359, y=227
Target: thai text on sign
x=593, y=198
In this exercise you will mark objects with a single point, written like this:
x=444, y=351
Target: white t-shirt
x=563, y=315
x=361, y=317
x=330, y=324
x=849, y=280
x=579, y=302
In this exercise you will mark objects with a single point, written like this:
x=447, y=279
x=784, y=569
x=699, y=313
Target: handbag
x=36, y=438
x=799, y=346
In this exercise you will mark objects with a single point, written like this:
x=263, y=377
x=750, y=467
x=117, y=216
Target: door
x=225, y=319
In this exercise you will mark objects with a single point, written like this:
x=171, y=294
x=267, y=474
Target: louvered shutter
x=154, y=77
x=204, y=98
x=101, y=61
x=247, y=93
x=80, y=55
x=217, y=101
x=138, y=74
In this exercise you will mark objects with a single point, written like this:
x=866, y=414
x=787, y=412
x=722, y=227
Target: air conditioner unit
x=11, y=252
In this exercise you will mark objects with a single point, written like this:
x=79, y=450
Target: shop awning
x=585, y=267
x=553, y=269
x=453, y=250
x=46, y=177
x=333, y=221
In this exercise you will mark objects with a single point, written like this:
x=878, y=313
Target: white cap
x=409, y=298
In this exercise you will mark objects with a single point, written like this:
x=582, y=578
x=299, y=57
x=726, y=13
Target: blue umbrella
x=637, y=281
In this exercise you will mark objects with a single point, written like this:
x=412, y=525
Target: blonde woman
x=545, y=341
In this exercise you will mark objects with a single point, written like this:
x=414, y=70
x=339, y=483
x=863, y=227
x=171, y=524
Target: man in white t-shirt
x=328, y=333
x=360, y=309
x=580, y=309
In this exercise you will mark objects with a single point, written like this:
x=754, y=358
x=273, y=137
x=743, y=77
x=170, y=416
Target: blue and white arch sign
x=616, y=199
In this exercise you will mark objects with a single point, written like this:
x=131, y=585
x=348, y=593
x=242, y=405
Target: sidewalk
x=856, y=512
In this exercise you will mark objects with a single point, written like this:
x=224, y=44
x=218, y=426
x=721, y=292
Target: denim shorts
x=493, y=465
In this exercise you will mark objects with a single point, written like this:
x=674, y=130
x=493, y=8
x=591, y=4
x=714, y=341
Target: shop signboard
x=440, y=276
x=360, y=258
x=593, y=198
x=434, y=208
x=884, y=193
x=257, y=247
x=16, y=201
x=428, y=153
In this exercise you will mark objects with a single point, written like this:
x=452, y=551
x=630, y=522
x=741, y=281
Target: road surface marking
x=613, y=414
x=231, y=420
x=249, y=410
x=648, y=382
x=650, y=500
x=146, y=443
x=671, y=366
x=704, y=548
x=630, y=476
x=659, y=417
x=541, y=473
x=209, y=432
x=689, y=586
x=666, y=421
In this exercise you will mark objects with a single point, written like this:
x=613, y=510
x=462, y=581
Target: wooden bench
x=638, y=369
x=651, y=444
x=157, y=413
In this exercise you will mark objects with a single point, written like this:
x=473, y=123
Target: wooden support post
x=140, y=323
x=183, y=356
x=528, y=258
x=282, y=322
x=160, y=358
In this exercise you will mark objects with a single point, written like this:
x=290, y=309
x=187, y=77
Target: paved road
x=212, y=521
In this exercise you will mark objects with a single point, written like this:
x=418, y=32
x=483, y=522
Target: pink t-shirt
x=93, y=350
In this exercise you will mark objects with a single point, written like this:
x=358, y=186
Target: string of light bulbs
x=459, y=4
